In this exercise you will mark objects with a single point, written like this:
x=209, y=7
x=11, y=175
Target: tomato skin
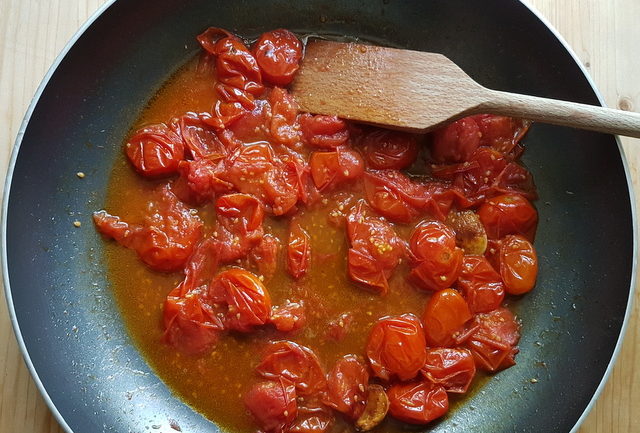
x=248, y=300
x=437, y=259
x=299, y=251
x=493, y=343
x=294, y=362
x=288, y=317
x=330, y=169
x=396, y=347
x=456, y=142
x=375, y=249
x=346, y=386
x=155, y=150
x=386, y=149
x=518, y=264
x=278, y=53
x=481, y=285
x=167, y=236
x=284, y=126
x=325, y=132
x=236, y=66
x=239, y=228
x=312, y=419
x=454, y=369
x=508, y=214
x=444, y=317
x=264, y=256
x=417, y=402
x=272, y=404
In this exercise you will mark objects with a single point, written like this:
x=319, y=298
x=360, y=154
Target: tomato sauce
x=339, y=313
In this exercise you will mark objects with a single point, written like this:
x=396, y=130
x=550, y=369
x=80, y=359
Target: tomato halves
x=518, y=264
x=293, y=362
x=508, y=214
x=155, y=150
x=278, y=53
x=417, y=402
x=444, y=317
x=437, y=259
x=396, y=347
x=272, y=404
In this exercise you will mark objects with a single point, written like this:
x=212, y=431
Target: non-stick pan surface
x=59, y=291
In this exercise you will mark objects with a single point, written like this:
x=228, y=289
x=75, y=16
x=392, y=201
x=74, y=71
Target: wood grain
x=604, y=33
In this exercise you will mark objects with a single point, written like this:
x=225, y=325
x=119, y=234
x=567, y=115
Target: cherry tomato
x=516, y=179
x=396, y=347
x=299, y=251
x=253, y=124
x=191, y=322
x=272, y=404
x=493, y=344
x=312, y=419
x=444, y=318
x=326, y=132
x=265, y=256
x=167, y=236
x=386, y=149
x=236, y=66
x=375, y=249
x=278, y=53
x=155, y=150
x=518, y=264
x=500, y=132
x=200, y=181
x=330, y=169
x=239, y=227
x=224, y=115
x=456, y=142
x=338, y=328
x=437, y=259
x=417, y=402
x=346, y=386
x=394, y=195
x=288, y=317
x=284, y=127
x=508, y=214
x=293, y=362
x=200, y=140
x=248, y=301
x=453, y=369
x=481, y=285
x=209, y=37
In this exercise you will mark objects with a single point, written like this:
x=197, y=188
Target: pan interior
x=61, y=293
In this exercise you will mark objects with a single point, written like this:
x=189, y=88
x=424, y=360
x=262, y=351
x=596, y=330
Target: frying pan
x=60, y=301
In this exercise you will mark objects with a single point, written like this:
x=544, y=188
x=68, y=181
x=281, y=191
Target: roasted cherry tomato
x=347, y=386
x=236, y=66
x=293, y=362
x=386, y=149
x=166, y=238
x=155, y=150
x=518, y=264
x=456, y=142
x=481, y=285
x=278, y=53
x=299, y=251
x=284, y=127
x=200, y=140
x=437, y=259
x=508, y=214
x=273, y=404
x=264, y=256
x=247, y=299
x=316, y=418
x=394, y=196
x=396, y=347
x=288, y=317
x=375, y=249
x=191, y=321
x=417, y=402
x=453, y=369
x=200, y=181
x=326, y=132
x=493, y=344
x=239, y=227
x=329, y=169
x=444, y=318
x=500, y=132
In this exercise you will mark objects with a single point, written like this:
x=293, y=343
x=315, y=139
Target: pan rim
x=80, y=32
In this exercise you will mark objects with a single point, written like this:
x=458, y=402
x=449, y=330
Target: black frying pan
x=59, y=295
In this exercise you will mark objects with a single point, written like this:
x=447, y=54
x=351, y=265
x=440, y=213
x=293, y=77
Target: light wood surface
x=604, y=33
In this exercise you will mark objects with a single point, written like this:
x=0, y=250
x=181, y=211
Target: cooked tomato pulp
x=340, y=312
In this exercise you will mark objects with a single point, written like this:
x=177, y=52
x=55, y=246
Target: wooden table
x=604, y=33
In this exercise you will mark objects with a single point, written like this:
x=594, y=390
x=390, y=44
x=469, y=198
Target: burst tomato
x=289, y=316
x=456, y=142
x=272, y=404
x=278, y=53
x=518, y=264
x=346, y=386
x=385, y=149
x=493, y=343
x=330, y=169
x=239, y=227
x=454, y=369
x=394, y=196
x=299, y=251
x=326, y=132
x=417, y=402
x=155, y=150
x=508, y=214
x=481, y=285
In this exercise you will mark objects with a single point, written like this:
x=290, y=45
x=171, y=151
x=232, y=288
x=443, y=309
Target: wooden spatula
x=417, y=91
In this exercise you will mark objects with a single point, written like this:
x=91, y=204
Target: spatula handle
x=563, y=113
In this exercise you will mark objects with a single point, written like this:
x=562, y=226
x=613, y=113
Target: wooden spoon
x=417, y=91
